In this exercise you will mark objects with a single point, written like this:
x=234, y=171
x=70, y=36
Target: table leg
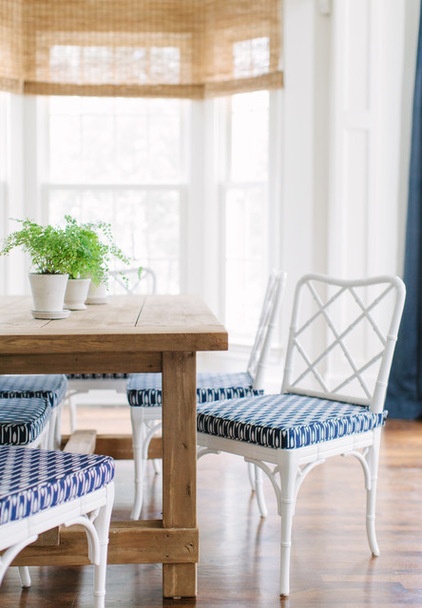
x=179, y=462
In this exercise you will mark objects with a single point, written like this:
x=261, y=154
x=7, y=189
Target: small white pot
x=76, y=294
x=48, y=292
x=97, y=294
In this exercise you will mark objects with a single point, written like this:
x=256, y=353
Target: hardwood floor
x=331, y=564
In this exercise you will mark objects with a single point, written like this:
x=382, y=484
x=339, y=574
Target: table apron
x=81, y=362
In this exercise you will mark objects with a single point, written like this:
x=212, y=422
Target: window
x=129, y=162
x=149, y=64
x=121, y=160
x=251, y=57
x=245, y=201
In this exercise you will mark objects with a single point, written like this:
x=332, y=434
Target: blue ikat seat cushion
x=51, y=387
x=32, y=480
x=93, y=376
x=285, y=421
x=144, y=390
x=22, y=420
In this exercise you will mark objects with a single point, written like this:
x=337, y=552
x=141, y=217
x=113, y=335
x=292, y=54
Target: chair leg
x=138, y=433
x=256, y=481
x=288, y=474
x=58, y=427
x=24, y=576
x=102, y=525
x=371, y=492
x=9, y=554
x=251, y=475
x=52, y=430
x=259, y=490
x=43, y=440
x=151, y=428
x=72, y=412
x=156, y=466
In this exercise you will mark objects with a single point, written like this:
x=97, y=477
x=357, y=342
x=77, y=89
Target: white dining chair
x=126, y=281
x=24, y=422
x=340, y=348
x=42, y=489
x=52, y=387
x=136, y=279
x=145, y=395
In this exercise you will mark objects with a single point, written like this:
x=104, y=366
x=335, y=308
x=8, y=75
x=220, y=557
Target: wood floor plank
x=239, y=553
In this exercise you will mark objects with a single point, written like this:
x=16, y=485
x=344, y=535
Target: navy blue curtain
x=404, y=397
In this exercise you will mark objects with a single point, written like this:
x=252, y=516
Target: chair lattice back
x=261, y=346
x=131, y=281
x=342, y=338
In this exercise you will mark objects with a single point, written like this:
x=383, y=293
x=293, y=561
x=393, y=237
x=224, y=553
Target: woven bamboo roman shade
x=140, y=48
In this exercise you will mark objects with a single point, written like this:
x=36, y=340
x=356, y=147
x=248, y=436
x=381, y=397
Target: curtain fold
x=404, y=396
x=176, y=48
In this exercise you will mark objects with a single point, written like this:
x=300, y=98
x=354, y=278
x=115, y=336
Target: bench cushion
x=144, y=390
x=93, y=376
x=285, y=421
x=32, y=480
x=51, y=387
x=22, y=420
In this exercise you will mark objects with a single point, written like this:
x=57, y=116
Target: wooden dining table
x=156, y=333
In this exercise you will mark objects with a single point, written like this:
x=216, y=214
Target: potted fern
x=49, y=250
x=92, y=249
x=63, y=255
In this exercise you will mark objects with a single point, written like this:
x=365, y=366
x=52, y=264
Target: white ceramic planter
x=76, y=294
x=97, y=294
x=48, y=295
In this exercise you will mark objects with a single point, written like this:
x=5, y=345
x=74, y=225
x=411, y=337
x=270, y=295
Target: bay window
x=128, y=162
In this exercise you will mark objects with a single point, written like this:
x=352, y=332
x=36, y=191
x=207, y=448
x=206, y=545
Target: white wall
x=367, y=200
x=349, y=68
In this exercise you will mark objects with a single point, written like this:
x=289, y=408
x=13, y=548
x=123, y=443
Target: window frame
x=205, y=150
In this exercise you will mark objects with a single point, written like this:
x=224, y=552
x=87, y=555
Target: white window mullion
x=187, y=269
x=43, y=158
x=209, y=230
x=17, y=263
x=244, y=177
x=4, y=107
x=192, y=251
x=275, y=172
x=223, y=162
x=33, y=158
x=4, y=172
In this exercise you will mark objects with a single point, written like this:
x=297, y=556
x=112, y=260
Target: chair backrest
x=130, y=280
x=261, y=346
x=342, y=338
